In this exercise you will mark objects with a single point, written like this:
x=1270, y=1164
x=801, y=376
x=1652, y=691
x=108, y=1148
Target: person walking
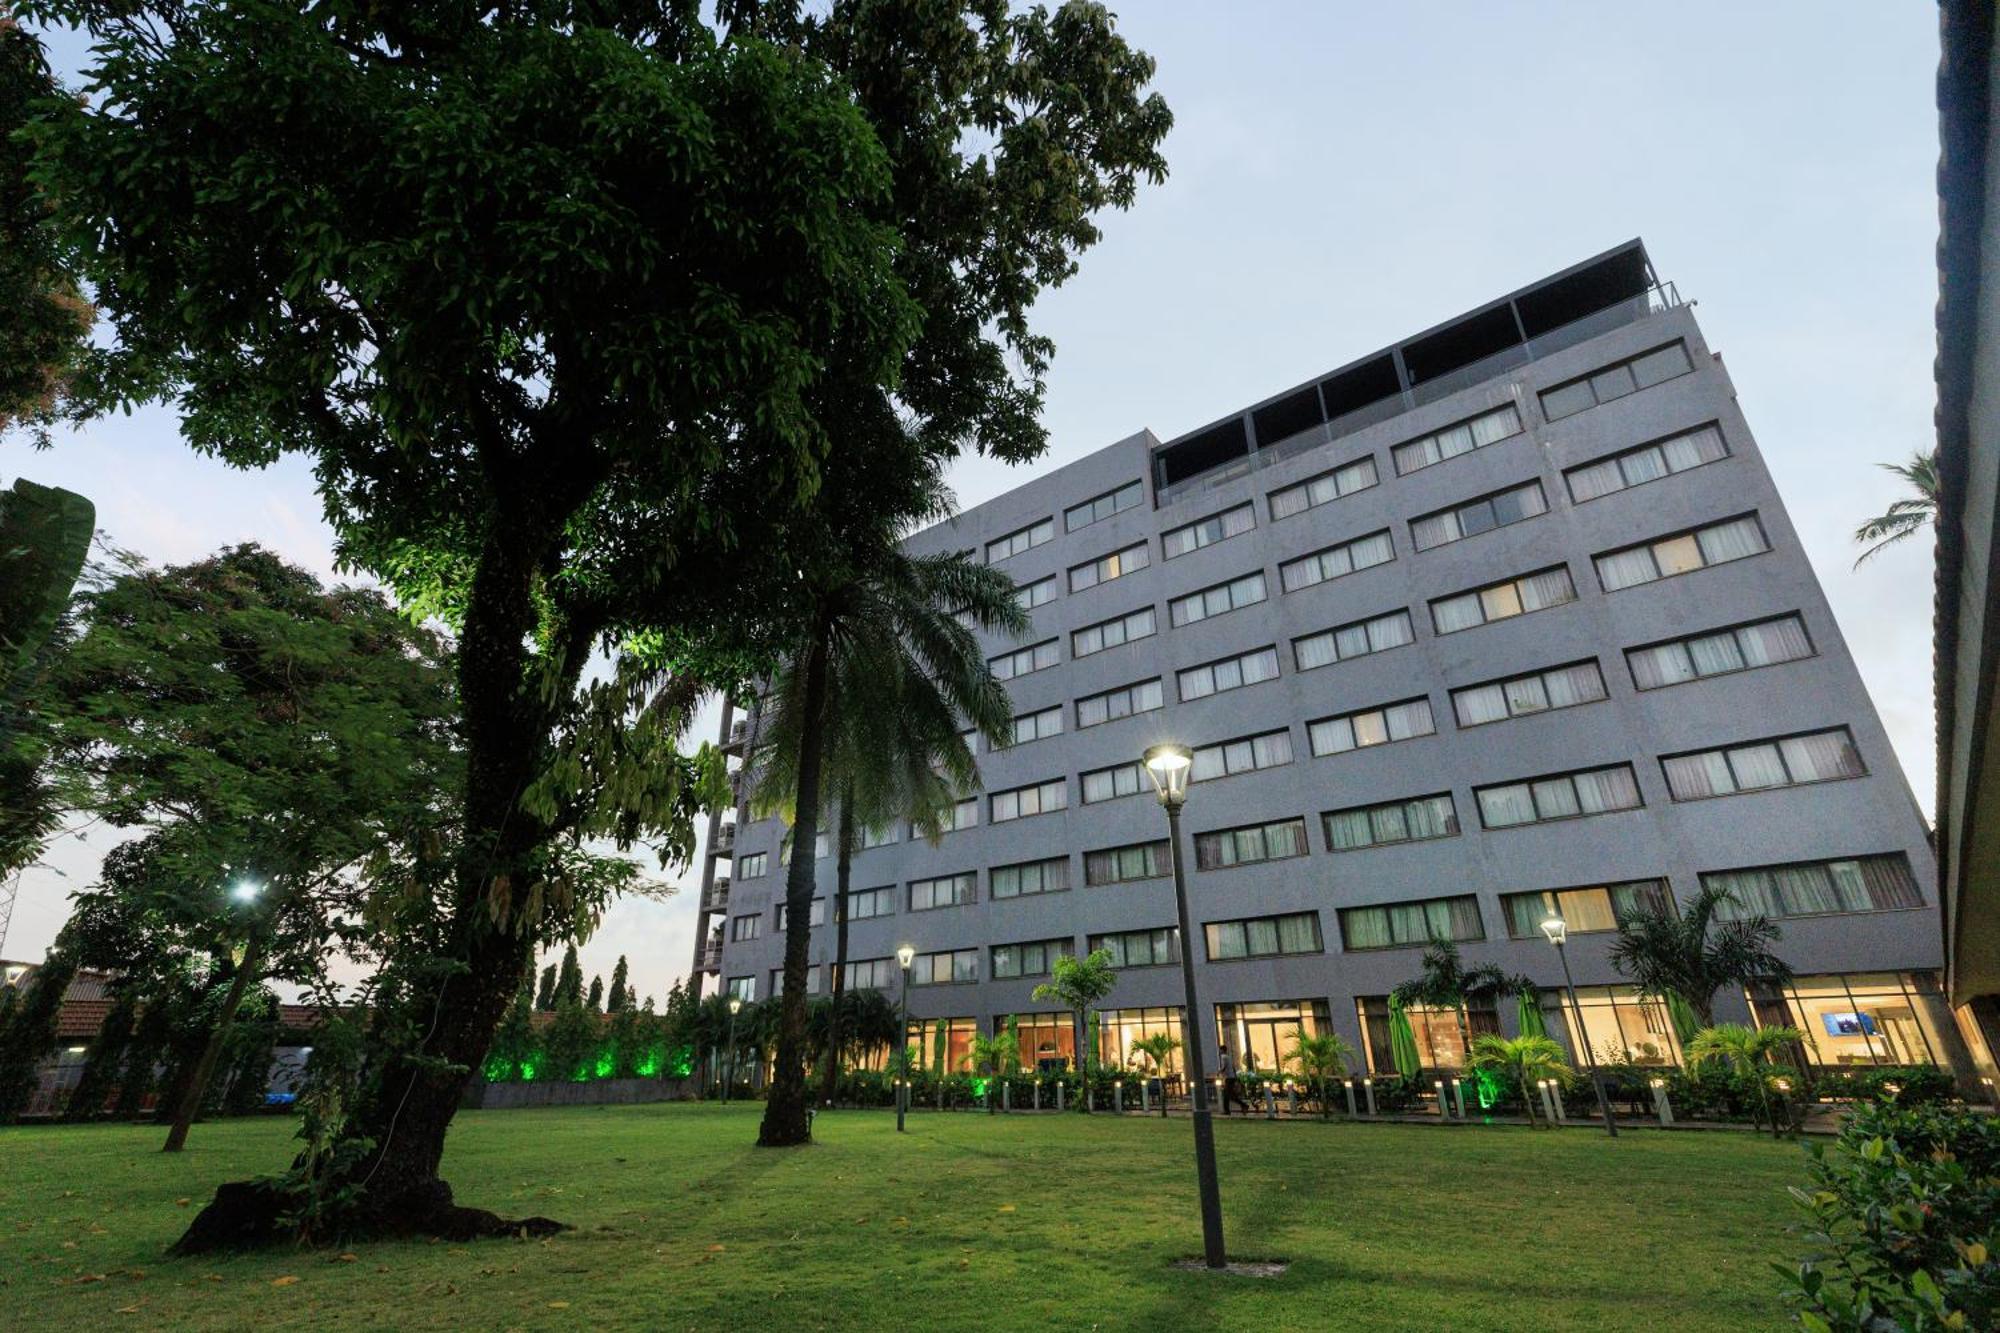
x=1231, y=1088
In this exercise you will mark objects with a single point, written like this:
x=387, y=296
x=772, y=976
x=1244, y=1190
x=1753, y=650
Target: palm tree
x=1694, y=954
x=1447, y=983
x=1320, y=1059
x=1078, y=984
x=886, y=656
x=1158, y=1048
x=1526, y=1059
x=1911, y=514
x=994, y=1057
x=1746, y=1050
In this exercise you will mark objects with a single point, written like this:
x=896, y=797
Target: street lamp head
x=1555, y=928
x=905, y=955
x=245, y=891
x=15, y=971
x=1169, y=766
x=735, y=1005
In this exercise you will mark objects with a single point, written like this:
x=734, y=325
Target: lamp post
x=1557, y=930
x=905, y=955
x=15, y=971
x=244, y=893
x=729, y=1068
x=1169, y=767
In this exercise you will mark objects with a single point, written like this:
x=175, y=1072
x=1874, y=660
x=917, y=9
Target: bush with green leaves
x=1903, y=1210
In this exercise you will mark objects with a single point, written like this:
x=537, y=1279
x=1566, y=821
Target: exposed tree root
x=255, y=1214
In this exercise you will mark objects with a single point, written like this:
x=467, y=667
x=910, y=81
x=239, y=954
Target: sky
x=1344, y=175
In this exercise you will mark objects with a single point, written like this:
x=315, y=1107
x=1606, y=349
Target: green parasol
x=1402, y=1041
x=1682, y=1015
x=1530, y=1018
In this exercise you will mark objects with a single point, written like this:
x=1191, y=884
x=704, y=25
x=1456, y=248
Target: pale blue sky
x=1347, y=174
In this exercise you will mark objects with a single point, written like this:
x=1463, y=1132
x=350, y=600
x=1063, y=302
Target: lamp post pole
x=729, y=1066
x=1169, y=765
x=904, y=957
x=246, y=892
x=1558, y=932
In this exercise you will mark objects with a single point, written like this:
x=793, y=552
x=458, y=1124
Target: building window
x=1683, y=553
x=1223, y=597
x=1476, y=516
x=1119, y=1029
x=1439, y=1038
x=1030, y=877
x=867, y=903
x=1400, y=925
x=1263, y=936
x=753, y=866
x=1037, y=798
x=1207, y=531
x=1489, y=427
x=1362, y=637
x=1599, y=907
x=1106, y=568
x=1012, y=961
x=1324, y=489
x=1649, y=462
x=1140, y=697
x=1719, y=652
x=743, y=988
x=1503, y=601
x=1113, y=633
x=1536, y=692
x=1023, y=661
x=868, y=974
x=1868, y=1018
x=1230, y=673
x=1336, y=561
x=1024, y=539
x=1037, y=726
x=1048, y=1041
x=815, y=917
x=1041, y=592
x=1818, y=888
x=944, y=891
x=880, y=837
x=1098, y=508
x=1616, y=381
x=1785, y=761
x=1618, y=1022
x=1108, y=784
x=1139, y=948
x=944, y=969
x=778, y=981
x=1261, y=1032
x=1249, y=845
x=1593, y=791
x=1245, y=754
x=1124, y=865
x=1372, y=726
x=964, y=815
x=1414, y=820
x=746, y=927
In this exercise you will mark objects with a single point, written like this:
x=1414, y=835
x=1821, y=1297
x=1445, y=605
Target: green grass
x=1001, y=1222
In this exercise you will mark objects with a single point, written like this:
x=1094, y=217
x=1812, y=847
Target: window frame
x=1138, y=488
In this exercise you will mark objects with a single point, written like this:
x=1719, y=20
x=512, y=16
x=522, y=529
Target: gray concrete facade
x=1666, y=839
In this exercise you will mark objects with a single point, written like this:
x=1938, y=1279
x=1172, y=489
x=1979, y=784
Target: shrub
x=1911, y=1085
x=1903, y=1210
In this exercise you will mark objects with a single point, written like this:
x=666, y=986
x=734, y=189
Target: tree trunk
x=204, y=1070
x=829, y=1082
x=1464, y=1036
x=1527, y=1099
x=1082, y=1062
x=785, y=1123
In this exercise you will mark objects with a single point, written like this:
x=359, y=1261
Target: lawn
x=967, y=1220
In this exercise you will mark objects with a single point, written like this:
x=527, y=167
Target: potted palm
x=1157, y=1049
x=1320, y=1059
x=1748, y=1051
x=1528, y=1060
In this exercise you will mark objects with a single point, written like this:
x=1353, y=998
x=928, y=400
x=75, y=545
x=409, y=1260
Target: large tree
x=563, y=302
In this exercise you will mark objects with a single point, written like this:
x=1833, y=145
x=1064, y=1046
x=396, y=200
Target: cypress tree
x=569, y=982
x=621, y=990
x=596, y=1001
x=545, y=994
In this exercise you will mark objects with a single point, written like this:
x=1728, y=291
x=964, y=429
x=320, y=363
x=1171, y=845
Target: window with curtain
x=1244, y=755
x=1119, y=865
x=1374, y=635
x=1113, y=633
x=1106, y=568
x=1005, y=548
x=1207, y=531
x=1648, y=462
x=1536, y=692
x=1559, y=796
x=1263, y=937
x=1401, y=925
x=1489, y=427
x=943, y=891
x=1244, y=846
x=1473, y=517
x=1720, y=652
x=1372, y=726
x=1820, y=756
x=1852, y=884
x=1664, y=557
x=1037, y=798
x=1230, y=673
x=1324, y=489
x=1030, y=877
x=1129, y=496
x=1108, y=784
x=1034, y=959
x=943, y=969
x=1600, y=907
x=1336, y=561
x=1218, y=600
x=1412, y=820
x=1125, y=701
x=1503, y=601
x=1023, y=661
x=1139, y=948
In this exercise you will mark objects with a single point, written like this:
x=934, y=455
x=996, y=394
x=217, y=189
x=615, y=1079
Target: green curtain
x=1682, y=1015
x=1402, y=1041
x=1530, y=1019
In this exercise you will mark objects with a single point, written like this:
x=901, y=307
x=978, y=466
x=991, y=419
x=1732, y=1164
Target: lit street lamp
x=244, y=893
x=729, y=1069
x=905, y=955
x=1169, y=767
x=1557, y=930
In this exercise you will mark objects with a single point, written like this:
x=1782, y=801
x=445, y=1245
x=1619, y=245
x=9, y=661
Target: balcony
x=711, y=957
x=738, y=739
x=725, y=841
x=717, y=898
